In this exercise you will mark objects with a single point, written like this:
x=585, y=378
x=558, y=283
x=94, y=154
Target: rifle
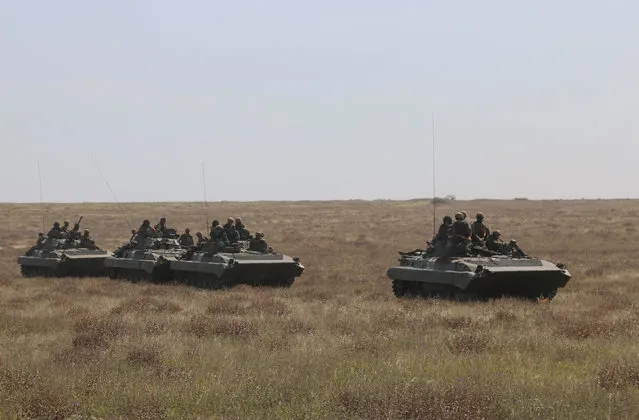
x=76, y=230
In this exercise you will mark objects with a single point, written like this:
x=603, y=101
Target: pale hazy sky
x=318, y=100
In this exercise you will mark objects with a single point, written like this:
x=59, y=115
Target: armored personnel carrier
x=463, y=271
x=145, y=258
x=218, y=267
x=63, y=258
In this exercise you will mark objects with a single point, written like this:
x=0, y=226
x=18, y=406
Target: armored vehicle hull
x=150, y=261
x=60, y=259
x=477, y=276
x=224, y=269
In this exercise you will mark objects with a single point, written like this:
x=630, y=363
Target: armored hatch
x=63, y=258
x=475, y=272
x=145, y=259
x=216, y=267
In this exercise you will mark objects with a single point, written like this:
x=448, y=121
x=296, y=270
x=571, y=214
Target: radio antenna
x=206, y=206
x=434, y=196
x=41, y=201
x=113, y=194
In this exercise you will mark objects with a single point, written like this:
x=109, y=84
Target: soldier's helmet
x=86, y=232
x=464, y=214
x=448, y=219
x=163, y=220
x=215, y=223
x=146, y=222
x=230, y=220
x=56, y=224
x=479, y=216
x=66, y=223
x=238, y=220
x=459, y=216
x=496, y=233
x=187, y=230
x=40, y=234
x=133, y=232
x=198, y=234
x=259, y=235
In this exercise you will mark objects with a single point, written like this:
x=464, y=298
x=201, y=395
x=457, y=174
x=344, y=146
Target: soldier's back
x=258, y=245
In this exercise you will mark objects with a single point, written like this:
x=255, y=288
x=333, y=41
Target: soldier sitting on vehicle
x=218, y=234
x=39, y=243
x=244, y=233
x=55, y=232
x=186, y=239
x=445, y=229
x=495, y=244
x=460, y=229
x=145, y=230
x=479, y=230
x=201, y=240
x=231, y=234
x=258, y=243
x=65, y=227
x=161, y=226
x=86, y=241
x=75, y=232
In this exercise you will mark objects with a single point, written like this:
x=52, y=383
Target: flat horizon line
x=440, y=201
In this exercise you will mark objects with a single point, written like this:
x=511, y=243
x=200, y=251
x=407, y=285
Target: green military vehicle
x=217, y=266
x=63, y=258
x=447, y=269
x=145, y=258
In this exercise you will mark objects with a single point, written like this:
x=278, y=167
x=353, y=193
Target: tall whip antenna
x=434, y=196
x=206, y=205
x=41, y=201
x=113, y=194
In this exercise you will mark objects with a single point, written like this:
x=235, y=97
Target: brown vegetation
x=337, y=343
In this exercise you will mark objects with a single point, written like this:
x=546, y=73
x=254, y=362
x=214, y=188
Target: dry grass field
x=337, y=343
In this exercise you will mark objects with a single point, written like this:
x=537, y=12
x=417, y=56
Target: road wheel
x=399, y=288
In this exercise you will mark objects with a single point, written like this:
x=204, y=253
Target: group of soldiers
x=476, y=233
x=228, y=234
x=234, y=231
x=68, y=235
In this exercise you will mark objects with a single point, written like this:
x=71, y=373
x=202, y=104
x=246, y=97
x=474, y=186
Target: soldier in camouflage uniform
x=201, y=240
x=186, y=239
x=445, y=229
x=218, y=235
x=146, y=230
x=65, y=227
x=461, y=229
x=75, y=232
x=494, y=242
x=479, y=230
x=40, y=242
x=55, y=232
x=232, y=235
x=244, y=233
x=258, y=243
x=161, y=226
x=86, y=241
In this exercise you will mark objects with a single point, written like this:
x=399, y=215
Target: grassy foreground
x=338, y=343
